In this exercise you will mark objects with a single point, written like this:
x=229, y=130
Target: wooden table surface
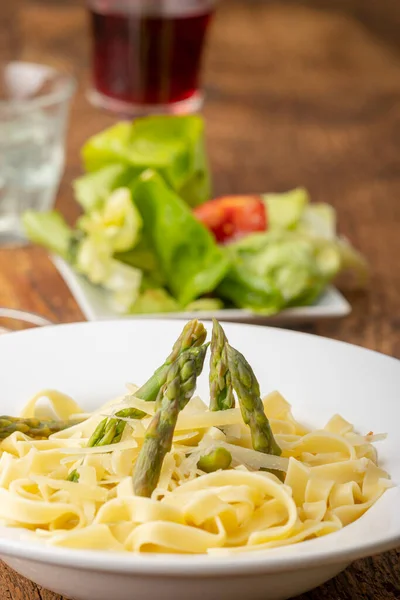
x=298, y=93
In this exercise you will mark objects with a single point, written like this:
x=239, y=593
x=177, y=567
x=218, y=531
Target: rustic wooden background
x=300, y=92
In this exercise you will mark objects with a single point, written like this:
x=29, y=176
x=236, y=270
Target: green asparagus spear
x=73, y=476
x=221, y=391
x=34, y=428
x=110, y=430
x=175, y=394
x=248, y=392
x=220, y=458
x=193, y=335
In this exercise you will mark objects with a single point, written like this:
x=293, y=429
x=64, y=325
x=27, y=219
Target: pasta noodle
x=329, y=478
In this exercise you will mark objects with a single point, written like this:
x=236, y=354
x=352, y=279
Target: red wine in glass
x=147, y=53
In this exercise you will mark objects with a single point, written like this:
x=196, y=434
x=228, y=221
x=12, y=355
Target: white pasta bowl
x=91, y=362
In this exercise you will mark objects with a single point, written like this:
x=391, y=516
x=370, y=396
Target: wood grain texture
x=298, y=93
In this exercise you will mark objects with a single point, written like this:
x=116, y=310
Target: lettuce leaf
x=205, y=305
x=93, y=189
x=94, y=260
x=250, y=291
x=318, y=220
x=190, y=260
x=282, y=268
x=107, y=147
x=90, y=256
x=142, y=257
x=285, y=210
x=118, y=221
x=48, y=229
x=122, y=286
x=93, y=256
x=154, y=300
x=339, y=262
x=171, y=145
x=273, y=270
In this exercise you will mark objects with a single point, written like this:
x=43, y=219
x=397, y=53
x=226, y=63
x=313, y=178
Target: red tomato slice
x=232, y=217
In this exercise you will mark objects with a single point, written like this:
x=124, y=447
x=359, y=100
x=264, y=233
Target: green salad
x=154, y=240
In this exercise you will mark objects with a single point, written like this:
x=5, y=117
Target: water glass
x=34, y=102
x=146, y=54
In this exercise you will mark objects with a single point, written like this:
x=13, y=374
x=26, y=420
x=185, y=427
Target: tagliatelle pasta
x=324, y=480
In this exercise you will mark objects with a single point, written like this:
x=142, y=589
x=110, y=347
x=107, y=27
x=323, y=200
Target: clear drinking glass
x=146, y=54
x=34, y=102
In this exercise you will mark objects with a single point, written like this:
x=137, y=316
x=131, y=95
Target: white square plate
x=93, y=303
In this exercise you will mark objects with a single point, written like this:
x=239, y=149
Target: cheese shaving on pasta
x=324, y=480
